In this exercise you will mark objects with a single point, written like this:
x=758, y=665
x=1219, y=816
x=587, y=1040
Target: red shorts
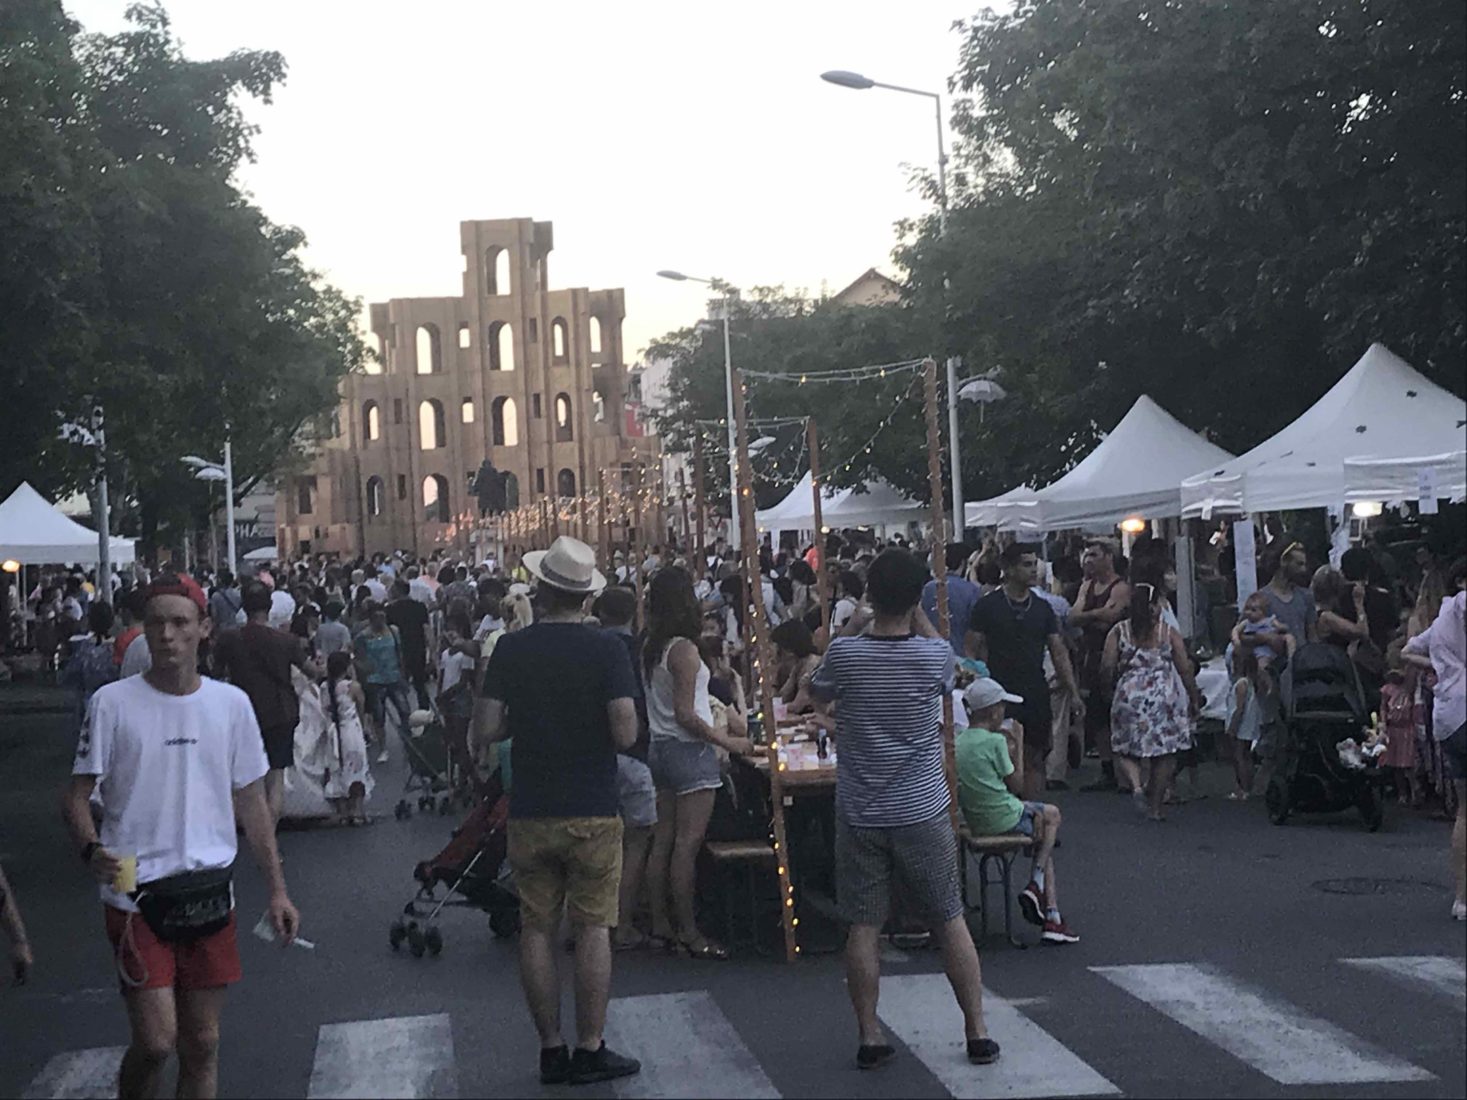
x=149, y=963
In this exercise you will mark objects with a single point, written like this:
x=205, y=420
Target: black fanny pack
x=187, y=906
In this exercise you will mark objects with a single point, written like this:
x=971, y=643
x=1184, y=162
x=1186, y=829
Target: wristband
x=89, y=850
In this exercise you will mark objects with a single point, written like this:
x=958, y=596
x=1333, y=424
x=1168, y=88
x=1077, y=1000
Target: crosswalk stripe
x=1271, y=1035
x=687, y=1048
x=920, y=1010
x=401, y=1056
x=1438, y=974
x=78, y=1075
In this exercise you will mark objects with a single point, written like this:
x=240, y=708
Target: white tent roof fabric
x=33, y=532
x=987, y=513
x=1395, y=480
x=880, y=504
x=1381, y=409
x=1132, y=472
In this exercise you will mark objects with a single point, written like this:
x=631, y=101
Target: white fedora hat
x=569, y=565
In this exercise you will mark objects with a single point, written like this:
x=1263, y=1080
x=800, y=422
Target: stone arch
x=564, y=422
x=598, y=336
x=376, y=496
x=435, y=499
x=511, y=491
x=496, y=271
x=501, y=346
x=504, y=422
x=466, y=411
x=432, y=427
x=565, y=483
x=560, y=340
x=429, y=349
x=371, y=422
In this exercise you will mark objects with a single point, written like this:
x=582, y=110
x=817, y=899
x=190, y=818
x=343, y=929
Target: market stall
x=34, y=532
x=1382, y=418
x=880, y=504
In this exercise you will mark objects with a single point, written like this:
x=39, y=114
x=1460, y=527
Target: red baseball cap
x=178, y=584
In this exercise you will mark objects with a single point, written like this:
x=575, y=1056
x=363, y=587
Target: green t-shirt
x=983, y=763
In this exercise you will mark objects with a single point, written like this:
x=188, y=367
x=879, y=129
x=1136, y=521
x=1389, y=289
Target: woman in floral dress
x=1155, y=697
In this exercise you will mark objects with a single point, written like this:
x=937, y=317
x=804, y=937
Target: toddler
x=1273, y=634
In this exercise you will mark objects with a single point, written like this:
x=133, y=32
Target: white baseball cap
x=984, y=693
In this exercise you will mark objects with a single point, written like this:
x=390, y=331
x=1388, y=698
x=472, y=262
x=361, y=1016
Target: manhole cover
x=1378, y=886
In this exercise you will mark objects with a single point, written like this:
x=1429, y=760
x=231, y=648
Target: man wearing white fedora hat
x=564, y=694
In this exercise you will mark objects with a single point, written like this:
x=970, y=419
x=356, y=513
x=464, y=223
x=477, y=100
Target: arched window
x=466, y=410
x=496, y=271
x=564, y=430
x=464, y=338
x=371, y=422
x=511, y=491
x=432, y=430
x=375, y=496
x=565, y=483
x=596, y=336
x=504, y=422
x=430, y=350
x=501, y=346
x=560, y=340
x=435, y=499
x=374, y=364
x=598, y=405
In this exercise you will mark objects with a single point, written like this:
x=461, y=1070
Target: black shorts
x=1038, y=720
x=1454, y=749
x=279, y=746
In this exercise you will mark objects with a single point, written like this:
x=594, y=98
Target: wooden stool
x=748, y=855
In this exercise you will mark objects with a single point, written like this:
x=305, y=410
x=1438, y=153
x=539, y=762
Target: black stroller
x=1321, y=703
x=471, y=867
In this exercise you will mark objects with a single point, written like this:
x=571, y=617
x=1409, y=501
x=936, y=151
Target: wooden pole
x=634, y=548
x=682, y=492
x=603, y=535
x=763, y=658
x=585, y=510
x=939, y=571
x=822, y=577
x=699, y=505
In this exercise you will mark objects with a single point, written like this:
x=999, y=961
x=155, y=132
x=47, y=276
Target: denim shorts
x=635, y=793
x=684, y=767
x=1031, y=810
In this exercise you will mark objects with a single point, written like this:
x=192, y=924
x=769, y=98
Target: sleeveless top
x=662, y=720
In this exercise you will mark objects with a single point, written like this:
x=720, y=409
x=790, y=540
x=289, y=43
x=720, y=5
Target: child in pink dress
x=1398, y=709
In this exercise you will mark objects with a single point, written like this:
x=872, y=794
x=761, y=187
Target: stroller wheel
x=504, y=923
x=434, y=941
x=1276, y=799
x=415, y=940
x=1372, y=807
x=396, y=934
x=402, y=810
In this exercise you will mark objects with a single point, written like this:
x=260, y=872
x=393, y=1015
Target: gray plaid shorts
x=921, y=858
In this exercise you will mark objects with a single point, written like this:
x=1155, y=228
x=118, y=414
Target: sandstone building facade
x=531, y=378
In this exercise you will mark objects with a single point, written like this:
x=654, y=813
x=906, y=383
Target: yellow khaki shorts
x=566, y=862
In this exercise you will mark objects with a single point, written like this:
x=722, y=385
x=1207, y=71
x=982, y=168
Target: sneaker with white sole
x=1058, y=932
x=1459, y=910
x=1031, y=903
x=382, y=757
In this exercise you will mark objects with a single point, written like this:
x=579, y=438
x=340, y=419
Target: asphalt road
x=1212, y=964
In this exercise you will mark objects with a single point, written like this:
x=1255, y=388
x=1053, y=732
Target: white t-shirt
x=845, y=607
x=377, y=588
x=422, y=591
x=455, y=666
x=167, y=768
x=137, y=658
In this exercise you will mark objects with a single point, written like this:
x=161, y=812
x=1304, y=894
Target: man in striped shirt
x=887, y=674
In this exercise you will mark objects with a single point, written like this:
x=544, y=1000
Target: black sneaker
x=603, y=1064
x=555, y=1065
x=874, y=1055
x=982, y=1052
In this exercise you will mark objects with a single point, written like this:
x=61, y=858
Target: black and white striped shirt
x=889, y=769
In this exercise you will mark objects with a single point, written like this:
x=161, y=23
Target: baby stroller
x=472, y=869
x=1321, y=704
x=430, y=774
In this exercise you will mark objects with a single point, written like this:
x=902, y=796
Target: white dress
x=346, y=763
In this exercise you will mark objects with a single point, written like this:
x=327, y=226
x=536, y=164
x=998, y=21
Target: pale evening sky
x=653, y=134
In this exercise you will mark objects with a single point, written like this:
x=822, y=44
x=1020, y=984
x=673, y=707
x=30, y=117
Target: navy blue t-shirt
x=555, y=680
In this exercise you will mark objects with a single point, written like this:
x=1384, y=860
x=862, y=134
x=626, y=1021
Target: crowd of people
x=612, y=706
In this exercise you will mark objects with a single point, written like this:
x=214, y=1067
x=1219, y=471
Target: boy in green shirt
x=987, y=793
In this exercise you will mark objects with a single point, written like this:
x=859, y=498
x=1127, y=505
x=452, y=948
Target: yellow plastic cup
x=126, y=880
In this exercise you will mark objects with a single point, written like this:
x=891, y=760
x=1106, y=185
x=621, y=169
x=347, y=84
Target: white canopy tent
x=880, y=504
x=1131, y=472
x=1394, y=480
x=34, y=532
x=1381, y=411
x=988, y=513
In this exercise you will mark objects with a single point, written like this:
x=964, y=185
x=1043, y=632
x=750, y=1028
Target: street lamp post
x=727, y=291
x=846, y=79
x=220, y=471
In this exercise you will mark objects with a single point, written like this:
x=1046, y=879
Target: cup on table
x=126, y=879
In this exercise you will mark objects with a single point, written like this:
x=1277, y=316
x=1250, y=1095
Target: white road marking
x=1438, y=974
x=401, y=1056
x=78, y=1075
x=920, y=1010
x=687, y=1047
x=1274, y=1037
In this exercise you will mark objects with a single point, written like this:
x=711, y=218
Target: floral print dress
x=1149, y=715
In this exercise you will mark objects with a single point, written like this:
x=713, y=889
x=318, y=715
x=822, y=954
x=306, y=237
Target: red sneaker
x=1031, y=903
x=1058, y=932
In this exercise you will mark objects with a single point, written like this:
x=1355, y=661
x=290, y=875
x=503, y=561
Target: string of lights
x=850, y=374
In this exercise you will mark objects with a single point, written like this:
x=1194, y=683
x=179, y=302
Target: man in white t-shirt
x=178, y=760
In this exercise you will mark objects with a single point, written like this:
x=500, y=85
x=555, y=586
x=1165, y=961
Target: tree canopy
x=147, y=279
x=1221, y=204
